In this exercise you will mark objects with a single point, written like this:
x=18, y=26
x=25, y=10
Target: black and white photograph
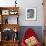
x=30, y=13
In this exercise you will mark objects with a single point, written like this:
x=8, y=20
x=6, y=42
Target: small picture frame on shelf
x=30, y=13
x=5, y=12
x=13, y=12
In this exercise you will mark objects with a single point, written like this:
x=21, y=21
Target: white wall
x=23, y=4
x=31, y=4
x=7, y=3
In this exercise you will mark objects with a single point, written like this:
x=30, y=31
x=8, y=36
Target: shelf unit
x=6, y=12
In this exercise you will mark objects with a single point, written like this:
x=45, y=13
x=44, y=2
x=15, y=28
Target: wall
x=23, y=4
x=7, y=3
x=31, y=4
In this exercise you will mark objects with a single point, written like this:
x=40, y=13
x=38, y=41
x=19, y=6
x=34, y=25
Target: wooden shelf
x=11, y=41
x=4, y=12
x=5, y=8
x=8, y=42
x=10, y=26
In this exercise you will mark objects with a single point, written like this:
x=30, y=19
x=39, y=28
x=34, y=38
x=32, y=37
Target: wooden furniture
x=8, y=11
x=44, y=8
x=5, y=12
x=44, y=37
x=10, y=43
x=0, y=43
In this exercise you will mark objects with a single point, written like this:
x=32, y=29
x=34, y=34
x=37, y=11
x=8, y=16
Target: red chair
x=29, y=33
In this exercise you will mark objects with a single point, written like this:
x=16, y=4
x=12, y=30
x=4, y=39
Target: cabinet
x=9, y=27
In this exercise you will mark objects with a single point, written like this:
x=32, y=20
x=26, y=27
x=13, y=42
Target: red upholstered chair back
x=29, y=33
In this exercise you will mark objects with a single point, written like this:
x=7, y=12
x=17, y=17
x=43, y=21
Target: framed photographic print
x=5, y=12
x=30, y=13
